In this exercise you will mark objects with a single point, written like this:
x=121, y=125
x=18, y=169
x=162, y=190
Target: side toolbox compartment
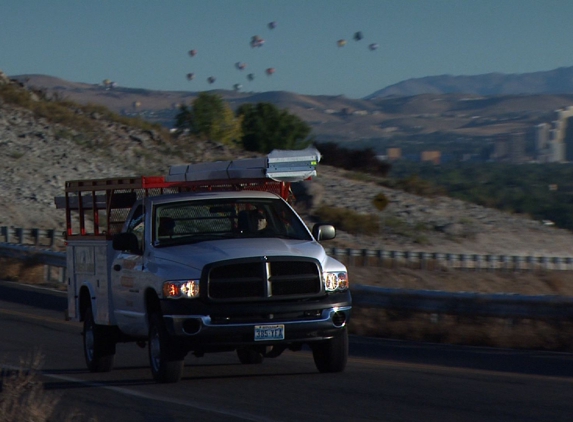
x=88, y=282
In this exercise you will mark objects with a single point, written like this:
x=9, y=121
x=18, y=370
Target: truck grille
x=266, y=278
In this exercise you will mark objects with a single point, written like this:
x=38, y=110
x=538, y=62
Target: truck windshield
x=196, y=221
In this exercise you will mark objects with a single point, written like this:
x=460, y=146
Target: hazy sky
x=145, y=43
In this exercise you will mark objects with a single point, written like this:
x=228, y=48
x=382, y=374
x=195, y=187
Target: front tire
x=331, y=355
x=165, y=355
x=99, y=345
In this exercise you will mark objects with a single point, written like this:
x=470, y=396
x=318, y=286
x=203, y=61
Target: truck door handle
x=117, y=267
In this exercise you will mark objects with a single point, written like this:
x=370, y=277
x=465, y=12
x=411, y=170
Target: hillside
x=557, y=81
x=378, y=122
x=37, y=156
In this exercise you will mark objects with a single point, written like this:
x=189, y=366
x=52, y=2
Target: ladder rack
x=93, y=200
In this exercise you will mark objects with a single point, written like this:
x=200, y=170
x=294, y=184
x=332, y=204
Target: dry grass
x=453, y=329
x=23, y=397
x=541, y=282
x=26, y=271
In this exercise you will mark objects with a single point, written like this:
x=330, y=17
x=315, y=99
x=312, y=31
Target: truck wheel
x=331, y=355
x=249, y=356
x=99, y=347
x=165, y=356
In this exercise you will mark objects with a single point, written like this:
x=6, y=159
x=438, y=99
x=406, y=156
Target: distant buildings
x=433, y=157
x=394, y=154
x=552, y=139
x=510, y=148
x=552, y=143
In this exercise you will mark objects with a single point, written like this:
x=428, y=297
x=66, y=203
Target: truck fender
x=151, y=304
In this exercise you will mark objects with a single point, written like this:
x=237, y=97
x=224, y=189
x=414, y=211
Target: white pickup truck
x=209, y=258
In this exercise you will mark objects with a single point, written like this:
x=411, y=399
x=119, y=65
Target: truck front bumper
x=303, y=322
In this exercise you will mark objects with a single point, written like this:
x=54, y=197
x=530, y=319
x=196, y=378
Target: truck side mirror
x=125, y=242
x=323, y=231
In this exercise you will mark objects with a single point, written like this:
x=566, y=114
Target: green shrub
x=348, y=220
x=380, y=201
x=417, y=186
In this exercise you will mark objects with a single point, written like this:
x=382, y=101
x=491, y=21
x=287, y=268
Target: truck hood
x=200, y=254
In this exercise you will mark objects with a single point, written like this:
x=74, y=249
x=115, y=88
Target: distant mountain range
x=414, y=114
x=558, y=81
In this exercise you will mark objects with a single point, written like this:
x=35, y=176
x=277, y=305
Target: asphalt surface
x=385, y=380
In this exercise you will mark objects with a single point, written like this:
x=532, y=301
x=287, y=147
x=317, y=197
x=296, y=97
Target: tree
x=265, y=127
x=211, y=118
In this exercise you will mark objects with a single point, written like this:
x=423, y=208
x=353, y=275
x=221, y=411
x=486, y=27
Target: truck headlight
x=335, y=281
x=181, y=289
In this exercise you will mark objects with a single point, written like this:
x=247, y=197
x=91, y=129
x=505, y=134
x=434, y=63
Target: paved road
x=384, y=381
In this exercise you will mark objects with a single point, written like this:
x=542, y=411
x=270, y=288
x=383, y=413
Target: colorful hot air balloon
x=192, y=53
x=251, y=76
x=211, y=79
x=270, y=71
x=257, y=41
x=190, y=76
x=272, y=25
x=341, y=43
x=358, y=36
x=240, y=65
x=373, y=46
x=237, y=87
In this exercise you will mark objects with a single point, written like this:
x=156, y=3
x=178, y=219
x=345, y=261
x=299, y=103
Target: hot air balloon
x=211, y=79
x=270, y=71
x=109, y=84
x=373, y=46
x=190, y=76
x=192, y=53
x=136, y=104
x=250, y=76
x=257, y=41
x=272, y=25
x=240, y=65
x=358, y=36
x=341, y=43
x=237, y=87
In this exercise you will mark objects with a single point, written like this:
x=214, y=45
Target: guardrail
x=439, y=260
x=367, y=257
x=427, y=301
x=36, y=237
x=36, y=256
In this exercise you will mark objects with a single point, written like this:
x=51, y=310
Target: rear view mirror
x=323, y=231
x=125, y=242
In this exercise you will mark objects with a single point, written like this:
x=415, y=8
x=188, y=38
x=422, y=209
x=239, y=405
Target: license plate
x=269, y=332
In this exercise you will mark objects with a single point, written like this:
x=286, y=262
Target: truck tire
x=166, y=357
x=331, y=355
x=99, y=346
x=249, y=356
